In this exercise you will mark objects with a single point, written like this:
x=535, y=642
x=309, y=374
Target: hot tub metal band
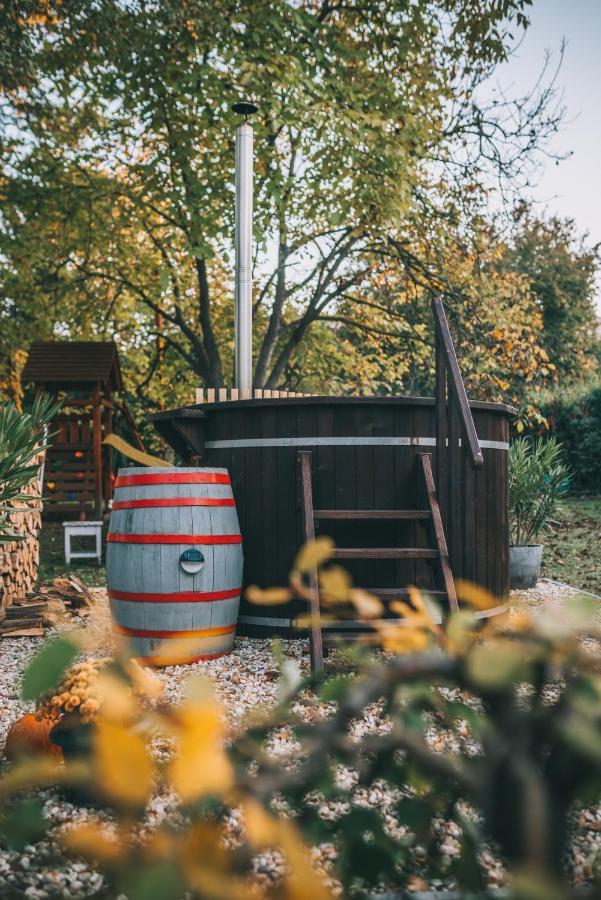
x=340, y=442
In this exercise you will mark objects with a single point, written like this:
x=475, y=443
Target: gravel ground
x=244, y=680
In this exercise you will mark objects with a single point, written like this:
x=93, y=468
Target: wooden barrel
x=174, y=563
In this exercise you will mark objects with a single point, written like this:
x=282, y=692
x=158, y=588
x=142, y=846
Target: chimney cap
x=244, y=108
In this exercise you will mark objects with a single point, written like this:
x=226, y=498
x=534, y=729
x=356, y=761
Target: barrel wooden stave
x=151, y=568
x=169, y=616
x=148, y=570
x=153, y=651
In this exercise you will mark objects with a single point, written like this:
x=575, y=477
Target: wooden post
x=315, y=639
x=439, y=535
x=97, y=448
x=108, y=484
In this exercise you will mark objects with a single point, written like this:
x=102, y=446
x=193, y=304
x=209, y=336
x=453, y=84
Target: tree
x=121, y=149
x=561, y=269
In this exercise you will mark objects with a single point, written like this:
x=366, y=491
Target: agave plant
x=537, y=478
x=22, y=436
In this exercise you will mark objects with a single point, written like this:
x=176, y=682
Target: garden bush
x=22, y=436
x=574, y=416
x=537, y=479
x=497, y=730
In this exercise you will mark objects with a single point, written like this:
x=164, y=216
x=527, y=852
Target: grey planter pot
x=524, y=566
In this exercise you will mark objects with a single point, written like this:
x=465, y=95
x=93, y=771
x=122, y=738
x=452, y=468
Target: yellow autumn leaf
x=93, y=841
x=400, y=638
x=263, y=829
x=366, y=605
x=306, y=620
x=335, y=583
x=207, y=865
x=124, y=768
x=261, y=826
x=116, y=698
x=42, y=771
x=474, y=595
x=175, y=652
x=313, y=554
x=267, y=597
x=200, y=765
x=145, y=681
x=302, y=880
x=460, y=631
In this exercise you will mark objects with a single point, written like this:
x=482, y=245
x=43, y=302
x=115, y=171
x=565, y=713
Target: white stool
x=83, y=529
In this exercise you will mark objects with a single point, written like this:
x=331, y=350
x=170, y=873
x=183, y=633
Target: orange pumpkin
x=30, y=735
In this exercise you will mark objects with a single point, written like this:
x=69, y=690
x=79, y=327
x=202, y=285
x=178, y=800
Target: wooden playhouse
x=80, y=471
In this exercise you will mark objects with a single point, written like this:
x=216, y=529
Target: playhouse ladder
x=436, y=551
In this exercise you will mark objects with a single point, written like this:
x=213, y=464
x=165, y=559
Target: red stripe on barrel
x=157, y=660
x=174, y=501
x=183, y=597
x=119, y=538
x=154, y=633
x=173, y=478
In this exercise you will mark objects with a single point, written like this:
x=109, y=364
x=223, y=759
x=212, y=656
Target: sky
x=572, y=188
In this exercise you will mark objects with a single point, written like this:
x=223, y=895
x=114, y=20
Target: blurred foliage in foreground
x=497, y=729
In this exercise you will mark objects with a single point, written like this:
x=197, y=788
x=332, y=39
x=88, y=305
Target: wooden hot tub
x=364, y=456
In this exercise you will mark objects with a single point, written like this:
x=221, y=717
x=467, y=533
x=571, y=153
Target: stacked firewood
x=46, y=607
x=68, y=593
x=19, y=560
x=23, y=619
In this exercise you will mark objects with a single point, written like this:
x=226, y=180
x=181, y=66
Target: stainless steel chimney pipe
x=244, y=213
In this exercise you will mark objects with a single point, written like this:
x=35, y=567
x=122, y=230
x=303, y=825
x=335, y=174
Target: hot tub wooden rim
x=202, y=410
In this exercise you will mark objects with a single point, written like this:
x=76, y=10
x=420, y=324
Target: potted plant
x=537, y=478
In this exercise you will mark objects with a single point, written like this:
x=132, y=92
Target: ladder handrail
x=456, y=385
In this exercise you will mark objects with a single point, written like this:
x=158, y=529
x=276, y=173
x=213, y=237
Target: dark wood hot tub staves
x=364, y=456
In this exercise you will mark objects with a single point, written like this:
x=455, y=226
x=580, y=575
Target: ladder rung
x=384, y=553
x=371, y=514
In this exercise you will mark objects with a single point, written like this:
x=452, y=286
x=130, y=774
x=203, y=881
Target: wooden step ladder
x=437, y=552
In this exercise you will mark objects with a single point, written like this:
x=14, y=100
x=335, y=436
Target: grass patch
x=52, y=558
x=573, y=547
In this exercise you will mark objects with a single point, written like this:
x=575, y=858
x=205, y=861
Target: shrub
x=574, y=417
x=537, y=478
x=500, y=736
x=22, y=436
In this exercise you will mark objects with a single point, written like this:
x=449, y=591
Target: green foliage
x=574, y=416
x=537, y=478
x=22, y=436
x=497, y=730
x=23, y=823
x=116, y=196
x=561, y=270
x=47, y=668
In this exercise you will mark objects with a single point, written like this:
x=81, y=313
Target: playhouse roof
x=71, y=362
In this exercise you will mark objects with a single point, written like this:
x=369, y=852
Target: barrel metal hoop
x=121, y=538
x=152, y=633
x=180, y=661
x=173, y=501
x=182, y=597
x=173, y=478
